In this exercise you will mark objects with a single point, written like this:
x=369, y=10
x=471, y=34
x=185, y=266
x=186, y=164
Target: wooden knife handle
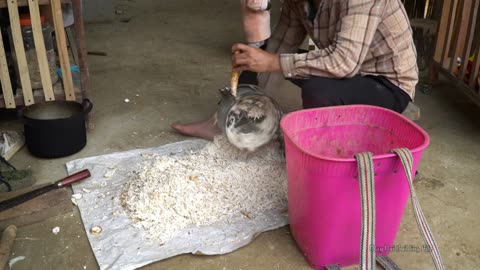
x=234, y=80
x=76, y=177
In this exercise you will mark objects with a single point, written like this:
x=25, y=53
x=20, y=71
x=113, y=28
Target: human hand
x=245, y=57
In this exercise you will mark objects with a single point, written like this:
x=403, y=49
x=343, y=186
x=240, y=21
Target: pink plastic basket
x=323, y=188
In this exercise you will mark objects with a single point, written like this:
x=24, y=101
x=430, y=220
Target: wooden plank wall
x=20, y=52
x=457, y=38
x=26, y=96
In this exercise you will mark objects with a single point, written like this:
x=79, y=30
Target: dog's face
x=252, y=122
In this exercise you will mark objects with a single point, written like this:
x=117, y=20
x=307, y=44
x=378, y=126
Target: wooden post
x=82, y=48
x=472, y=15
x=5, y=78
x=442, y=32
x=82, y=55
x=450, y=25
x=461, y=36
x=41, y=50
x=20, y=52
x=62, y=50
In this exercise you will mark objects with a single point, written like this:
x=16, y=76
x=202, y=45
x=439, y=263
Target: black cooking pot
x=55, y=129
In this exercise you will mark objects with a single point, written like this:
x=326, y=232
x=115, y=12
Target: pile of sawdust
x=216, y=184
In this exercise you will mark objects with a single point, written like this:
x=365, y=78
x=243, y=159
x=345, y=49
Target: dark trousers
x=325, y=92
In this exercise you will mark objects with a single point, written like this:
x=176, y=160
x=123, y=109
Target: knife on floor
x=67, y=181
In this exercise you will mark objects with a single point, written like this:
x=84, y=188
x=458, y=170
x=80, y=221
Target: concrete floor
x=169, y=60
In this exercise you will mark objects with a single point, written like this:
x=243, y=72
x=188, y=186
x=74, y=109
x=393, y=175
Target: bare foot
x=206, y=129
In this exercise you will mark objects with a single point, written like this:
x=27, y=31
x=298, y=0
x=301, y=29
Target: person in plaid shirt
x=366, y=55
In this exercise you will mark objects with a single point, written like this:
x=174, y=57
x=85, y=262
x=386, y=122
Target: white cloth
x=124, y=246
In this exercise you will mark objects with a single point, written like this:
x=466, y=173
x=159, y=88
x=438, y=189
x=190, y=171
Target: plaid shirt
x=354, y=37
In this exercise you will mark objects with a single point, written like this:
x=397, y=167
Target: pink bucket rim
x=352, y=159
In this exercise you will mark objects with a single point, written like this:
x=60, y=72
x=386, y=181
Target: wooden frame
x=26, y=96
x=456, y=40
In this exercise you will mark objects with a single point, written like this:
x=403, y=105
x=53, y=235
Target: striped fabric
x=367, y=196
x=367, y=191
x=361, y=37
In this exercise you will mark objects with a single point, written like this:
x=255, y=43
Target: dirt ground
x=169, y=60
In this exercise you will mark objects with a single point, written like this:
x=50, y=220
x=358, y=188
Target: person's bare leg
x=206, y=129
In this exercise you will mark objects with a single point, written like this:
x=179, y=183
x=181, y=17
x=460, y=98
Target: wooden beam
x=20, y=52
x=62, y=50
x=41, y=50
x=461, y=31
x=476, y=63
x=82, y=48
x=442, y=31
x=5, y=78
x=24, y=3
x=471, y=32
x=82, y=57
x=451, y=24
x=19, y=100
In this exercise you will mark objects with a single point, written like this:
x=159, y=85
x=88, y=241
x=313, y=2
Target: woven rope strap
x=367, y=196
x=407, y=162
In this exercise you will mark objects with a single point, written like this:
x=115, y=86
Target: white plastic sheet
x=123, y=246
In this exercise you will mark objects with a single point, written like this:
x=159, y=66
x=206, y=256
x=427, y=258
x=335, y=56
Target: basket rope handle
x=407, y=161
x=367, y=195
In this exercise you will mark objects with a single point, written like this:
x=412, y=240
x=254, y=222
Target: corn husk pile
x=216, y=184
